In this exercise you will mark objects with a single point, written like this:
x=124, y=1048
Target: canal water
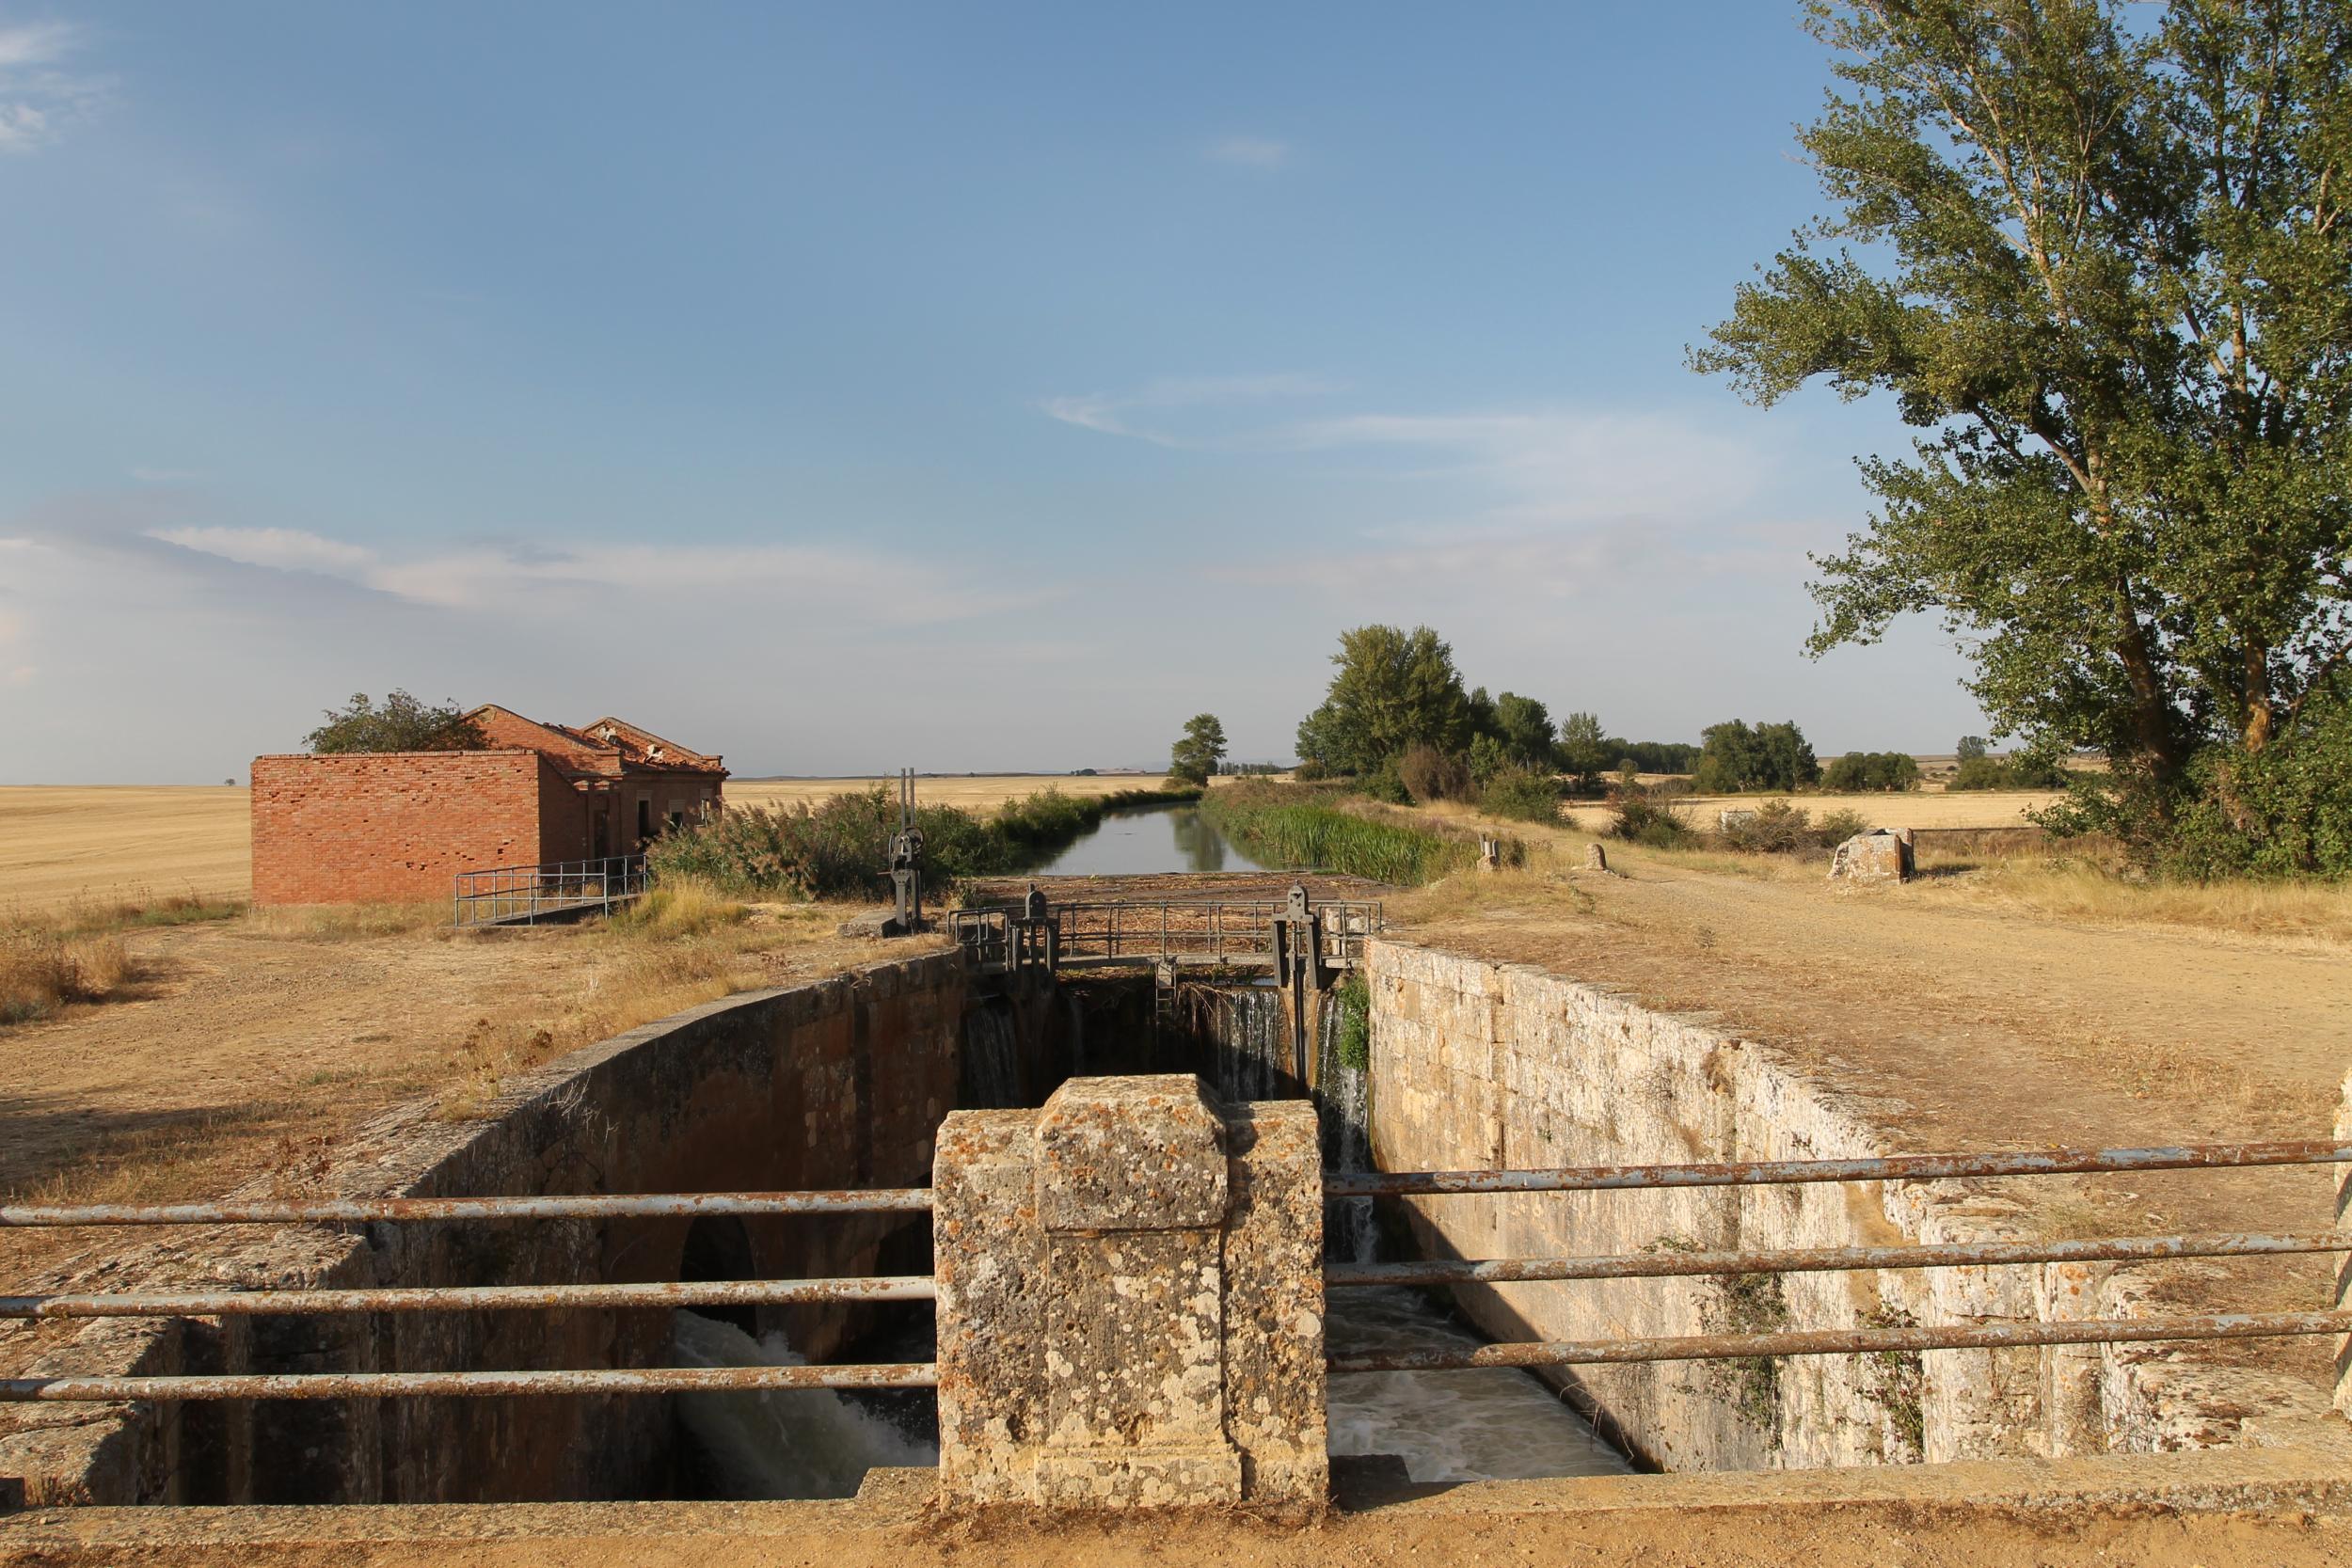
x=1486, y=1423
x=1145, y=841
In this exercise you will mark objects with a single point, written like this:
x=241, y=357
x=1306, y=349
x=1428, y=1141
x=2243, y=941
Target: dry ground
x=250, y=1045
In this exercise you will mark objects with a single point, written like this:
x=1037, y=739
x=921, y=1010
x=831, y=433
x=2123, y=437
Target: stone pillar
x=1130, y=1300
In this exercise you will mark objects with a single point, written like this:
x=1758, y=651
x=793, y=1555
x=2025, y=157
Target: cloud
x=35, y=99
x=1253, y=152
x=537, y=582
x=1107, y=413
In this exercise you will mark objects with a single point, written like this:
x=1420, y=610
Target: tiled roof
x=607, y=748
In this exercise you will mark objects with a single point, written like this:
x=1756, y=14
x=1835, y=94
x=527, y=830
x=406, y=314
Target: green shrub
x=1840, y=826
x=1774, y=828
x=1522, y=795
x=1385, y=786
x=1353, y=999
x=1639, y=819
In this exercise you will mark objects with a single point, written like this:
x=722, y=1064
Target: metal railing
x=1846, y=1341
x=519, y=895
x=1193, y=933
x=624, y=1296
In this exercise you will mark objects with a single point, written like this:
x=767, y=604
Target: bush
x=1840, y=826
x=1429, y=774
x=1774, y=828
x=1385, y=786
x=1858, y=772
x=1639, y=819
x=1523, y=794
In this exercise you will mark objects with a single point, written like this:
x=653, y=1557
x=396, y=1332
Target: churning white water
x=781, y=1442
x=1487, y=1424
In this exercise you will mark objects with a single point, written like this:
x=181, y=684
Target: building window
x=644, y=819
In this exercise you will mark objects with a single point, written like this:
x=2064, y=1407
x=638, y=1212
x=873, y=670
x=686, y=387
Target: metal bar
x=1815, y=1260
x=1851, y=1342
x=371, y=1209
x=474, y=1298
x=1893, y=1167
x=343, y=1386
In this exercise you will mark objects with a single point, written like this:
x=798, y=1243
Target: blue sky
x=838, y=388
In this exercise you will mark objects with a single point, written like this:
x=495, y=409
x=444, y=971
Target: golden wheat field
x=967, y=792
x=64, y=844
x=1916, y=808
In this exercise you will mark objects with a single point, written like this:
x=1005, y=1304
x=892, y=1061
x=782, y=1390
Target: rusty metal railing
x=1662, y=1266
x=470, y=1298
x=1194, y=933
x=583, y=1380
x=366, y=1210
x=1897, y=1337
x=1891, y=1167
x=1848, y=1341
x=631, y=1295
x=520, y=894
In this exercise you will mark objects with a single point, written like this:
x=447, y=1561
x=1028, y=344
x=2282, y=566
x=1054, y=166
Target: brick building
x=394, y=827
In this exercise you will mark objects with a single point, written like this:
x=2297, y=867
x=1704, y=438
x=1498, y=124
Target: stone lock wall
x=838, y=1084
x=1476, y=1064
x=1131, y=1301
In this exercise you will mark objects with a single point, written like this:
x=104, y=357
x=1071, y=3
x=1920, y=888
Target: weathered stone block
x=1878, y=856
x=1131, y=1301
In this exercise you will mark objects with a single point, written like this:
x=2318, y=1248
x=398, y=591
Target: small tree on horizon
x=1194, y=756
x=401, y=725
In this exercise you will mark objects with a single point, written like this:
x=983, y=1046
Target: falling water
x=990, y=1067
x=1248, y=1031
x=765, y=1443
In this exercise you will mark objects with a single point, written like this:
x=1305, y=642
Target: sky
x=843, y=387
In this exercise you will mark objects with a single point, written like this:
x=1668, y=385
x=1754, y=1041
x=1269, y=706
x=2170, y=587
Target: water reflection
x=1138, y=843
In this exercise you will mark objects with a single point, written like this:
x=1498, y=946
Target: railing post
x=1131, y=1301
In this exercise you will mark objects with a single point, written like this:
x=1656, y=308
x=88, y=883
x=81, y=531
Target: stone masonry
x=1130, y=1300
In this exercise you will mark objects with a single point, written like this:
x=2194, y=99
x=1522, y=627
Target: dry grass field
x=967, y=792
x=1914, y=808
x=64, y=844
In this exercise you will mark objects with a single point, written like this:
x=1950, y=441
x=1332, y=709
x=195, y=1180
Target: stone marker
x=1734, y=817
x=1130, y=1300
x=1595, y=858
x=1881, y=855
x=1490, y=853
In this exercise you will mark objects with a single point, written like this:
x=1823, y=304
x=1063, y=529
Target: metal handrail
x=471, y=1298
x=588, y=1380
x=1848, y=1341
x=1892, y=1167
x=1657, y=1265
x=500, y=894
x=369, y=1210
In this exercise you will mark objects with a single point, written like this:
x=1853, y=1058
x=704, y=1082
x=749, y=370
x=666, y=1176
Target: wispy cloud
x=38, y=99
x=1111, y=414
x=1253, y=152
x=537, y=582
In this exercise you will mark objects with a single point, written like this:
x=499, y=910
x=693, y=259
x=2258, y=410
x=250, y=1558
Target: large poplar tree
x=2101, y=258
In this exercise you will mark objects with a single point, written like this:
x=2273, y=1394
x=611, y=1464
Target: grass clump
x=43, y=970
x=677, y=908
x=1640, y=819
x=1353, y=997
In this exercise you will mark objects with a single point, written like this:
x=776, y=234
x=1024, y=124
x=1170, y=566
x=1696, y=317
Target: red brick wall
x=395, y=826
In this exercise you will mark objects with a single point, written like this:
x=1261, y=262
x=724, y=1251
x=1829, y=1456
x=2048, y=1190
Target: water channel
x=1148, y=840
